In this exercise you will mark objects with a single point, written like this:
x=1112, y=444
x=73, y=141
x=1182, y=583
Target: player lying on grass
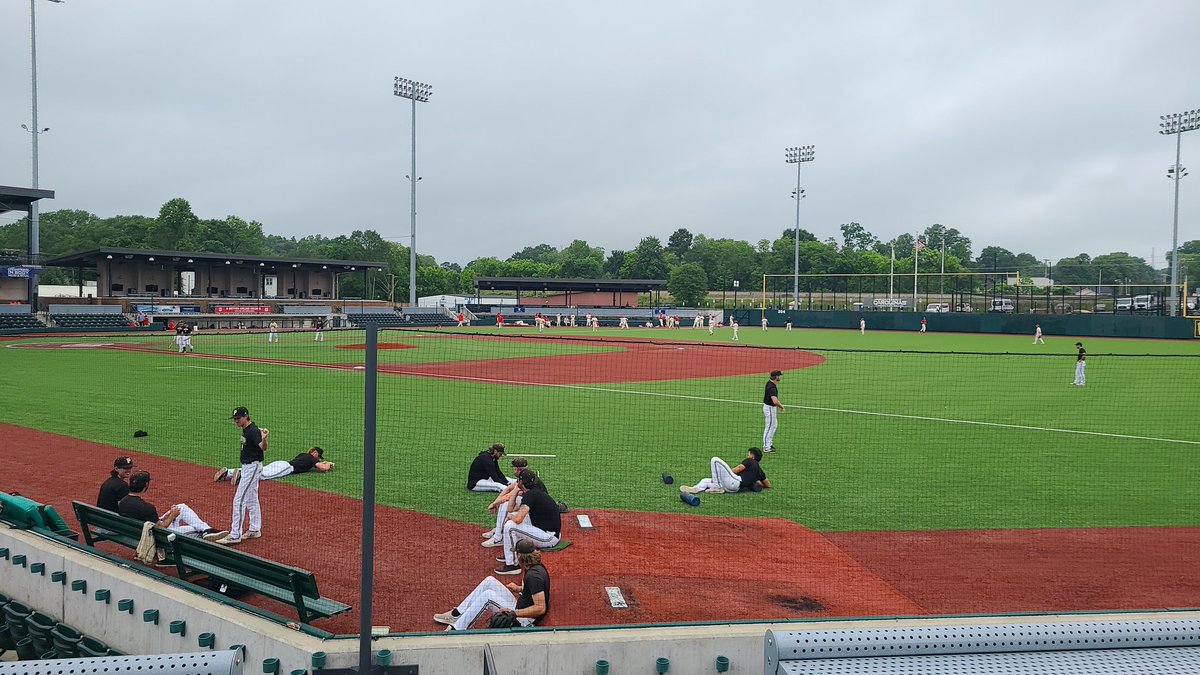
x=527, y=608
x=745, y=477
x=303, y=463
x=179, y=518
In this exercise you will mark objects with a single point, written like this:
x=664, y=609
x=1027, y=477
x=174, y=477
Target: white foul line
x=241, y=373
x=521, y=454
x=846, y=411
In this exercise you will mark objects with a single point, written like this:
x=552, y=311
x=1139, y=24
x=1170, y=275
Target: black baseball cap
x=776, y=373
x=1078, y=344
x=239, y=411
x=123, y=463
x=139, y=481
x=320, y=452
x=525, y=546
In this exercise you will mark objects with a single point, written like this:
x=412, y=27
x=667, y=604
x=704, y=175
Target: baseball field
x=916, y=474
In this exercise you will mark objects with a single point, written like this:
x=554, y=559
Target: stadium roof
x=184, y=258
x=21, y=199
x=569, y=285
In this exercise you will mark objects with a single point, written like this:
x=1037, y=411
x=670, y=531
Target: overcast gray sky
x=1032, y=125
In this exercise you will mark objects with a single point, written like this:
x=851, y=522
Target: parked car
x=1002, y=305
x=937, y=307
x=1062, y=308
x=1145, y=302
x=962, y=307
x=1124, y=304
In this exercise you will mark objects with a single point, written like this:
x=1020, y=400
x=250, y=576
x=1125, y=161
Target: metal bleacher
x=382, y=319
x=1070, y=648
x=19, y=322
x=96, y=321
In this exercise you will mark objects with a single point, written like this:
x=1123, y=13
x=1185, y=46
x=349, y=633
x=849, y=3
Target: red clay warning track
x=670, y=567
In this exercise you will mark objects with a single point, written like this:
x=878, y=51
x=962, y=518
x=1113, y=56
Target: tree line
x=693, y=264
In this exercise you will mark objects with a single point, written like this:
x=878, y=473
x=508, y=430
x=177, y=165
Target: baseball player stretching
x=724, y=479
x=254, y=446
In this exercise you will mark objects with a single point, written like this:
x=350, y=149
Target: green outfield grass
x=903, y=439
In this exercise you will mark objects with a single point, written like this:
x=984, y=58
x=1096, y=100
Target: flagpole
x=916, y=263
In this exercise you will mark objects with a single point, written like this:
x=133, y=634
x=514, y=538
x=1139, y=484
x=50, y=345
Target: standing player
x=734, y=325
x=273, y=335
x=462, y=319
x=771, y=406
x=624, y=324
x=187, y=339
x=595, y=321
x=712, y=322
x=179, y=337
x=788, y=326
x=922, y=325
x=319, y=327
x=1037, y=334
x=764, y=321
x=499, y=320
x=698, y=321
x=862, y=326
x=1080, y=366
x=245, y=498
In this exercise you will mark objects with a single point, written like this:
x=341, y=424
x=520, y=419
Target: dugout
x=552, y=293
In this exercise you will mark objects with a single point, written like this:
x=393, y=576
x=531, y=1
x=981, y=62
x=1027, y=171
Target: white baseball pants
x=272, y=471
x=514, y=532
x=1080, y=376
x=489, y=485
x=771, y=419
x=489, y=592
x=722, y=477
x=246, y=499
x=187, y=522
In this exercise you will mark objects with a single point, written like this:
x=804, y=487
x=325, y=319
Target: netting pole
x=368, y=499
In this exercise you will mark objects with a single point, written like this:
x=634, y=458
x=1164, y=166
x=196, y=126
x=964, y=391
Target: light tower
x=798, y=156
x=413, y=91
x=1177, y=123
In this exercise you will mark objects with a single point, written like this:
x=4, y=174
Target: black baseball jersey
x=751, y=472
x=251, y=444
x=1082, y=354
x=543, y=511
x=537, y=580
x=112, y=491
x=484, y=466
x=772, y=390
x=133, y=506
x=303, y=463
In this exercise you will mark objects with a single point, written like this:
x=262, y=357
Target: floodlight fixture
x=798, y=155
x=1177, y=124
x=413, y=91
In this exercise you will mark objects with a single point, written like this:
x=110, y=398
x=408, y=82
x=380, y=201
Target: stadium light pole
x=798, y=156
x=413, y=91
x=1177, y=123
x=35, y=131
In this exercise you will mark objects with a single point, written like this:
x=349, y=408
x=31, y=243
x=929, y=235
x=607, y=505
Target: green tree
x=646, y=261
x=175, y=227
x=856, y=238
x=688, y=284
x=543, y=253
x=613, y=264
x=957, y=245
x=580, y=261
x=232, y=235
x=679, y=243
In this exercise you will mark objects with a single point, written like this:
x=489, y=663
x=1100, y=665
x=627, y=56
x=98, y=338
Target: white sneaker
x=491, y=543
x=489, y=534
x=687, y=489
x=228, y=541
x=252, y=534
x=715, y=490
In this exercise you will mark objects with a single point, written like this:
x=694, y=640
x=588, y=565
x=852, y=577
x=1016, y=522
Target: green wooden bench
x=290, y=585
x=103, y=525
x=194, y=557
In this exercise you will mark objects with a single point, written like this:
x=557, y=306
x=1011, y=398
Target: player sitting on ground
x=538, y=520
x=485, y=474
x=303, y=463
x=527, y=609
x=508, y=500
x=745, y=477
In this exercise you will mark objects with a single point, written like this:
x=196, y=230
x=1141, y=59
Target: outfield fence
x=903, y=482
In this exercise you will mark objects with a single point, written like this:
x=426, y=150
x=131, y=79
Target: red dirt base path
x=670, y=567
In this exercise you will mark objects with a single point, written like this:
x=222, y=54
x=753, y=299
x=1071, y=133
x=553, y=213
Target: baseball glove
x=503, y=620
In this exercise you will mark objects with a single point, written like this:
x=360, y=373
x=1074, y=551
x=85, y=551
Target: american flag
x=920, y=245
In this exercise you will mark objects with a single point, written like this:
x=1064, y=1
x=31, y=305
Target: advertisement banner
x=157, y=309
x=16, y=272
x=241, y=309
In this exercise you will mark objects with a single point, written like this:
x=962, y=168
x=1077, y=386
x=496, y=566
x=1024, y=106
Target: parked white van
x=1002, y=305
x=1145, y=302
x=1124, y=304
x=936, y=307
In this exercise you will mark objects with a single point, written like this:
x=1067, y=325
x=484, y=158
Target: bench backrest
x=95, y=517
x=246, y=564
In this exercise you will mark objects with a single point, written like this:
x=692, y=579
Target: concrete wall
x=692, y=650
